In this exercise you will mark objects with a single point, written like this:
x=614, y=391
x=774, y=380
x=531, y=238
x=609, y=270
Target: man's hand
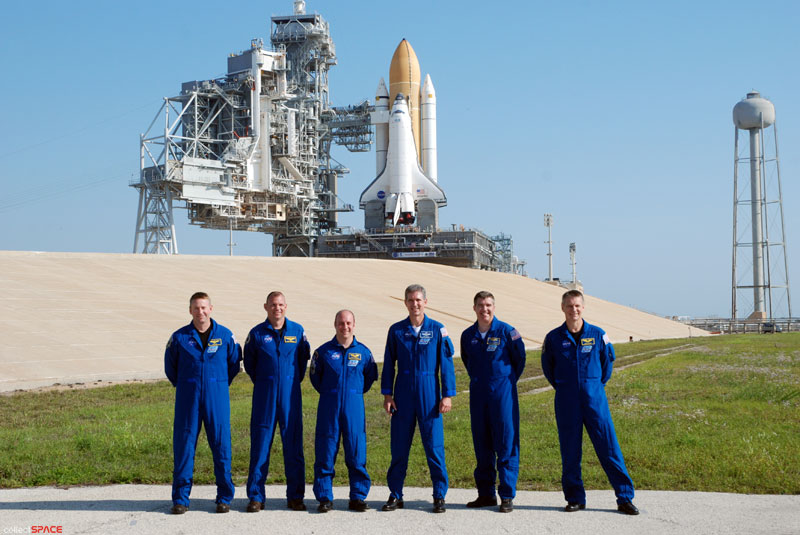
x=388, y=404
x=445, y=405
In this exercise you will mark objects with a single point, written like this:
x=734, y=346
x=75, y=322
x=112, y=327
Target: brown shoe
x=223, y=508
x=178, y=509
x=254, y=506
x=296, y=505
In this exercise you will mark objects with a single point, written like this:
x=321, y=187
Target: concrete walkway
x=143, y=509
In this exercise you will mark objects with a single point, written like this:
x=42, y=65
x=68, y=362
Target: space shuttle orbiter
x=402, y=183
x=404, y=192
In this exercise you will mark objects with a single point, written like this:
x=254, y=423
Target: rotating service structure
x=251, y=150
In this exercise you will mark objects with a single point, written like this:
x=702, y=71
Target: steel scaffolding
x=251, y=150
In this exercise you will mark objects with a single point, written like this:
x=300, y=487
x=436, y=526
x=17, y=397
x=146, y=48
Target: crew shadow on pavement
x=340, y=506
x=495, y=508
x=271, y=504
x=102, y=505
x=518, y=507
x=602, y=510
x=417, y=505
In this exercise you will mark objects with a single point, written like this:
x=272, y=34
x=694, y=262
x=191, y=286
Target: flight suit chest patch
x=587, y=344
x=335, y=356
x=425, y=337
x=289, y=339
x=353, y=359
x=492, y=343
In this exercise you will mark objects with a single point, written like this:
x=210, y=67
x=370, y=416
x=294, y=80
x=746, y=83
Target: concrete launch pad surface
x=84, y=317
x=145, y=509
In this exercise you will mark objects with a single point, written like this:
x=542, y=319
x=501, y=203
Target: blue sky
x=613, y=116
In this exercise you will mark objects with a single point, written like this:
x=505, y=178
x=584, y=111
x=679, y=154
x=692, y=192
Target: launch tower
x=251, y=150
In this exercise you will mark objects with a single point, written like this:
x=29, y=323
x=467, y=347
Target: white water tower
x=757, y=251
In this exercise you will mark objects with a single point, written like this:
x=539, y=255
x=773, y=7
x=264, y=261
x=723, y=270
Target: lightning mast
x=548, y=222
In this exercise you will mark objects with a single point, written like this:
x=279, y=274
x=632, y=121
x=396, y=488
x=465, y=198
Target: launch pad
x=251, y=151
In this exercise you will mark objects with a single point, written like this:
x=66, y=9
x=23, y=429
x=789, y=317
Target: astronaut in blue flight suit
x=201, y=360
x=494, y=355
x=276, y=355
x=418, y=349
x=577, y=360
x=342, y=371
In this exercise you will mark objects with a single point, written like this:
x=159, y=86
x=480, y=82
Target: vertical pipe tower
x=756, y=114
x=548, y=222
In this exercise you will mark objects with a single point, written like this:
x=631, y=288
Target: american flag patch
x=443, y=330
x=605, y=339
x=515, y=334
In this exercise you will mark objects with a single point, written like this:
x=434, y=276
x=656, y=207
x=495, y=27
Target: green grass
x=710, y=414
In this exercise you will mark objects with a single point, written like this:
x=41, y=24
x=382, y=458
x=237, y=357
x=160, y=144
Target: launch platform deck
x=457, y=248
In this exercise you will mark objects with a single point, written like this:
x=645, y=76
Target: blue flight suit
x=342, y=377
x=494, y=364
x=419, y=360
x=579, y=371
x=201, y=378
x=276, y=362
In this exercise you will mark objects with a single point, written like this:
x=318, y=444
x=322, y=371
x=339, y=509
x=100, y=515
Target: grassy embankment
x=710, y=414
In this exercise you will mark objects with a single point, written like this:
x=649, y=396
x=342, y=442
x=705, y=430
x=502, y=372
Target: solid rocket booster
x=428, y=101
x=381, y=121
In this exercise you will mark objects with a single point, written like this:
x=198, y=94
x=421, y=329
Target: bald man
x=342, y=371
